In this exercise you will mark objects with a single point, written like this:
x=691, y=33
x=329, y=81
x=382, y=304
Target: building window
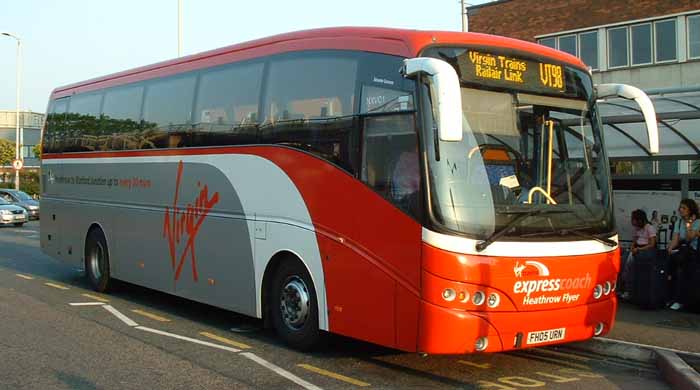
x=28, y=151
x=549, y=42
x=641, y=44
x=567, y=44
x=694, y=36
x=618, y=52
x=588, y=43
x=665, y=40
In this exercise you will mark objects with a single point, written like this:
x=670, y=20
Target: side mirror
x=445, y=93
x=636, y=94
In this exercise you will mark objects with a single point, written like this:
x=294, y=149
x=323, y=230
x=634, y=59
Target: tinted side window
x=390, y=162
x=123, y=103
x=121, y=128
x=167, y=111
x=310, y=103
x=226, y=111
x=55, y=126
x=83, y=122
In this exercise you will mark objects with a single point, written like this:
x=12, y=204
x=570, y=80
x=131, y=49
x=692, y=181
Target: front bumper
x=449, y=331
x=6, y=219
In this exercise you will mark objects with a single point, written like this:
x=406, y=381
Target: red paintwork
x=404, y=43
x=450, y=331
x=443, y=269
x=498, y=273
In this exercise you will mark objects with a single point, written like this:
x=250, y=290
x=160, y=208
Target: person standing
x=683, y=248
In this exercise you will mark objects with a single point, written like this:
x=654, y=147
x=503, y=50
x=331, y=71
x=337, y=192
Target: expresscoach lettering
x=184, y=224
x=534, y=286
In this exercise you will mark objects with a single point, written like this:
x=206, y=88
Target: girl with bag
x=683, y=249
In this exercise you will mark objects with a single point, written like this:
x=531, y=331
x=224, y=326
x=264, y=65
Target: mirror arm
x=636, y=94
x=446, y=92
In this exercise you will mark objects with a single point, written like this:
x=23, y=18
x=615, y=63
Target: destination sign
x=507, y=71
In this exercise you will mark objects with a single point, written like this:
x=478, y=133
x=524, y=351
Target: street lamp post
x=18, y=154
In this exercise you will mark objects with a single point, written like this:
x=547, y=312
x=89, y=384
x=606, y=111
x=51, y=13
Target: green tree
x=7, y=152
x=37, y=150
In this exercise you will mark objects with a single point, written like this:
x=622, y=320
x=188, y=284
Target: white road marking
x=119, y=315
x=280, y=371
x=177, y=336
x=25, y=277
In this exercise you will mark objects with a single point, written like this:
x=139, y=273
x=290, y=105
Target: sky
x=66, y=41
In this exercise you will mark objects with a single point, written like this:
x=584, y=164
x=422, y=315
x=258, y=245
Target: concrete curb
x=673, y=369
x=676, y=371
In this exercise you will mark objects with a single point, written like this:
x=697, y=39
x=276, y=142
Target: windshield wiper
x=481, y=245
x=575, y=232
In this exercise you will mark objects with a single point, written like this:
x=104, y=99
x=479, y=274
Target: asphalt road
x=137, y=338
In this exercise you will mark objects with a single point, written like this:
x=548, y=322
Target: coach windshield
x=531, y=161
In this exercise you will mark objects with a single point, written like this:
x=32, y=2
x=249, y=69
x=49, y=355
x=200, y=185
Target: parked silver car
x=20, y=198
x=11, y=214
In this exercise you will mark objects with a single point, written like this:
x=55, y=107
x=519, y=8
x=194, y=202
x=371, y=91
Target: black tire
x=97, y=268
x=296, y=329
x=19, y=224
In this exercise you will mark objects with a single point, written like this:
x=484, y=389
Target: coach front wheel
x=294, y=306
x=97, y=261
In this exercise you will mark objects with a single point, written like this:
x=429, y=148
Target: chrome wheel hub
x=96, y=260
x=294, y=303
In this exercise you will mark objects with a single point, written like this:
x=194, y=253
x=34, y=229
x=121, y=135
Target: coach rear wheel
x=97, y=261
x=294, y=307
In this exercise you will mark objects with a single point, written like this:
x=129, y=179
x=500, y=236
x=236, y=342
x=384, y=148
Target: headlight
x=5, y=212
x=449, y=294
x=597, y=291
x=494, y=300
x=478, y=298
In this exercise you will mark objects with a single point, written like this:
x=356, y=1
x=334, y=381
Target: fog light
x=598, y=329
x=463, y=296
x=481, y=344
x=494, y=300
x=479, y=298
x=607, y=288
x=449, y=294
x=614, y=285
x=597, y=291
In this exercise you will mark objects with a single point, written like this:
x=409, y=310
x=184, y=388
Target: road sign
x=17, y=164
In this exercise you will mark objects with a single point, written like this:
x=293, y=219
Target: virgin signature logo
x=184, y=224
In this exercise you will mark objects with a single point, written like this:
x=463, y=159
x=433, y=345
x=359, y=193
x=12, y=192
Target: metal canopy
x=678, y=114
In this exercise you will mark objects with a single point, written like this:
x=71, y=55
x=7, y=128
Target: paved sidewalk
x=662, y=328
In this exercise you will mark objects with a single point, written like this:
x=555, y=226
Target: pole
x=179, y=28
x=19, y=130
x=464, y=16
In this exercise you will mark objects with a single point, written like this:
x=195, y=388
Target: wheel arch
x=94, y=226
x=273, y=264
